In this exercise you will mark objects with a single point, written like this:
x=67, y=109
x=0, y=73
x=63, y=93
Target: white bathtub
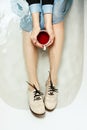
x=13, y=87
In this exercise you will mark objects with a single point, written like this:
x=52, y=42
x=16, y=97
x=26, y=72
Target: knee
x=59, y=26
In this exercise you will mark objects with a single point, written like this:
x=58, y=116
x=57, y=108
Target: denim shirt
x=22, y=8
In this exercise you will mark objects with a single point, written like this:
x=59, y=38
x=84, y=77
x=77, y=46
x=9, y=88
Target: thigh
x=60, y=9
x=26, y=38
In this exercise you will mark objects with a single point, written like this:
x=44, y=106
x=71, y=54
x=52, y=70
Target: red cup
x=43, y=38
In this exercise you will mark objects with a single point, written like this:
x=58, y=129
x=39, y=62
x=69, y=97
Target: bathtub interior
x=13, y=75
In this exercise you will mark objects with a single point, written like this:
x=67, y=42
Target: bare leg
x=31, y=58
x=55, y=51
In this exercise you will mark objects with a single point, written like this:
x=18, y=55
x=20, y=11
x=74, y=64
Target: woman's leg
x=31, y=58
x=55, y=52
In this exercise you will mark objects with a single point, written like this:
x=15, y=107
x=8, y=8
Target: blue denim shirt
x=21, y=7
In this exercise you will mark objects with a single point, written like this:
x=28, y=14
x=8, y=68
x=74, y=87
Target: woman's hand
x=50, y=31
x=34, y=34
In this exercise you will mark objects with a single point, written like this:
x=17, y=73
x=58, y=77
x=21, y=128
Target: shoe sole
x=38, y=115
x=50, y=110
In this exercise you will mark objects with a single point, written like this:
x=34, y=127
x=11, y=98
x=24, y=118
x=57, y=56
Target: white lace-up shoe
x=51, y=96
x=36, y=103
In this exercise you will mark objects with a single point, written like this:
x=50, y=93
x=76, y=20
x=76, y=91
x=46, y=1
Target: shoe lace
x=37, y=93
x=52, y=88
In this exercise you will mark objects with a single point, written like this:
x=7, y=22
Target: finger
x=34, y=40
x=38, y=44
x=52, y=39
x=50, y=42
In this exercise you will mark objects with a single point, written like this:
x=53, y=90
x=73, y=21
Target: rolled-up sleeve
x=47, y=6
x=35, y=5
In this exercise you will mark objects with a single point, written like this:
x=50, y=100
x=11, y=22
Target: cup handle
x=44, y=48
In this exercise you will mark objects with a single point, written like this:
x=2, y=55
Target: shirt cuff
x=35, y=8
x=47, y=8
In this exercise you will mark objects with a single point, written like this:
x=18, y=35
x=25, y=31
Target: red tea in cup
x=43, y=37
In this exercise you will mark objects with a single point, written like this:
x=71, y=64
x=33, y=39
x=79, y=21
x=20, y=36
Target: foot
x=36, y=103
x=51, y=96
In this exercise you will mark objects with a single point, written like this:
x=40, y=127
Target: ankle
x=37, y=85
x=54, y=81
